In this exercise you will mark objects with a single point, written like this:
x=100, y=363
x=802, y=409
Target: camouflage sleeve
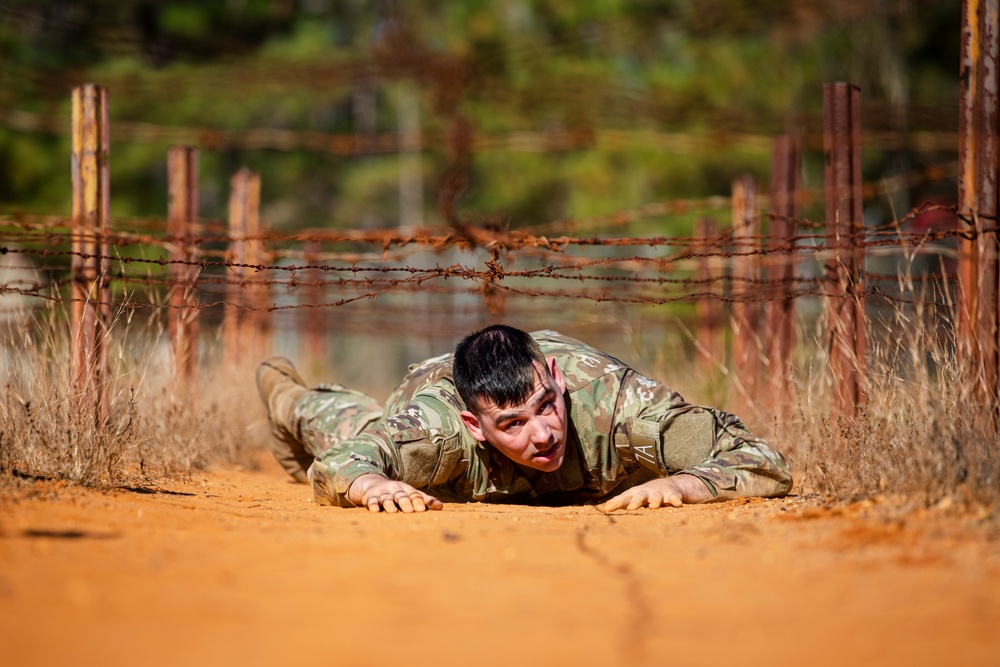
x=656, y=428
x=741, y=464
x=420, y=445
x=333, y=471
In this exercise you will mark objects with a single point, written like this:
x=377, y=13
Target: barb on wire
x=504, y=263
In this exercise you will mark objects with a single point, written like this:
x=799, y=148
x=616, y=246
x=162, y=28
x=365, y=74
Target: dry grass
x=922, y=436
x=154, y=429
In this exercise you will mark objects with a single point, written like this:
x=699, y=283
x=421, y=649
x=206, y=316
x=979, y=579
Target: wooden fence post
x=258, y=325
x=979, y=269
x=845, y=234
x=237, y=255
x=707, y=309
x=182, y=216
x=90, y=263
x=780, y=309
x=746, y=265
x=246, y=330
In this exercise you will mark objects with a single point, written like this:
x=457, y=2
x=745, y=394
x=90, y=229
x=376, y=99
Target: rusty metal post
x=246, y=322
x=258, y=323
x=91, y=306
x=707, y=308
x=779, y=310
x=315, y=294
x=182, y=216
x=846, y=320
x=967, y=298
x=746, y=270
x=232, y=321
x=979, y=268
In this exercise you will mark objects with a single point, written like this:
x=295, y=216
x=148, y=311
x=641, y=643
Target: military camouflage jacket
x=623, y=429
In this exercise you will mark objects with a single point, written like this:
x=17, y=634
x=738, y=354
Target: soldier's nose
x=542, y=433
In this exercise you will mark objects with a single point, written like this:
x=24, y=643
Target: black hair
x=496, y=365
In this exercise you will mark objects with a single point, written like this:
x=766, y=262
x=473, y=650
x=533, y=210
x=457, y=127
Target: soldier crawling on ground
x=514, y=417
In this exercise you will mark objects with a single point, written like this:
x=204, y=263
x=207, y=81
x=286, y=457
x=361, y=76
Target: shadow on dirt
x=68, y=534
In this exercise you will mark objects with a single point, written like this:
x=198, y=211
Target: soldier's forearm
x=693, y=489
x=333, y=473
x=750, y=469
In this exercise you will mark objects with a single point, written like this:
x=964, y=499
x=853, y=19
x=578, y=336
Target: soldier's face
x=533, y=433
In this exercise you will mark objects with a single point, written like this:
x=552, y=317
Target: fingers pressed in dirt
x=389, y=504
x=633, y=500
x=637, y=502
x=655, y=500
x=404, y=503
x=418, y=504
x=407, y=504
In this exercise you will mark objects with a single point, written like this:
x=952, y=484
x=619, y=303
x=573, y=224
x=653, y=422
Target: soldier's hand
x=379, y=493
x=673, y=491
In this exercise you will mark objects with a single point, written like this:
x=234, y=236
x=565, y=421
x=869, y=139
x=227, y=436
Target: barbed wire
x=208, y=231
x=50, y=289
x=207, y=284
x=470, y=238
x=598, y=297
x=496, y=271
x=141, y=260
x=359, y=144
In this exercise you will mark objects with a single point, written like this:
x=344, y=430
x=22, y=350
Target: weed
x=153, y=429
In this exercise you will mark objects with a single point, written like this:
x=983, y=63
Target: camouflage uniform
x=623, y=429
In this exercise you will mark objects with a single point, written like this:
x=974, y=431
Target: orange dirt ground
x=238, y=567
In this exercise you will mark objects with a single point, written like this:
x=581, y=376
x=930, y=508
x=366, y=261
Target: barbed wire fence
x=181, y=266
x=761, y=266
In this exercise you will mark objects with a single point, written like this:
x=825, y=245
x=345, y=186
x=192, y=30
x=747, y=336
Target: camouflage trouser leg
x=287, y=449
x=328, y=414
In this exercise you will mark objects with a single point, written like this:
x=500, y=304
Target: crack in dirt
x=633, y=636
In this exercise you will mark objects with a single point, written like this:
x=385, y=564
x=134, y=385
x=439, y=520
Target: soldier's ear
x=471, y=422
x=556, y=374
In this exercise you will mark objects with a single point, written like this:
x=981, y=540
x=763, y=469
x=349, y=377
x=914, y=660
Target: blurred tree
x=492, y=77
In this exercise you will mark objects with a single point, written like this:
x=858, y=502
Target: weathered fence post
x=259, y=324
x=746, y=264
x=182, y=216
x=979, y=269
x=315, y=294
x=90, y=263
x=707, y=309
x=246, y=333
x=780, y=308
x=845, y=236
x=236, y=256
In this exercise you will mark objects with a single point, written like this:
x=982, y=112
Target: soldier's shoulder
x=554, y=343
x=580, y=363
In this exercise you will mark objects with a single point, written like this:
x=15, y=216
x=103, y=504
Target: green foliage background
x=718, y=68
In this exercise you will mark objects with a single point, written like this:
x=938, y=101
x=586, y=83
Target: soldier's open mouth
x=548, y=453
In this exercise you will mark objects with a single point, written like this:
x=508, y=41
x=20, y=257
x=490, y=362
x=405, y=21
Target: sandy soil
x=238, y=567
